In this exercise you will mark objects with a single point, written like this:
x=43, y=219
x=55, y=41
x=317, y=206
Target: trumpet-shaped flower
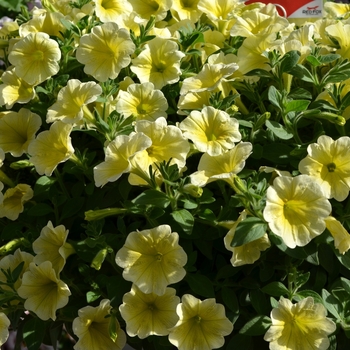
x=142, y=101
x=51, y=147
x=295, y=209
x=14, y=199
x=43, y=291
x=339, y=31
x=35, y=58
x=51, y=246
x=4, y=328
x=112, y=10
x=118, y=155
x=158, y=63
x=303, y=325
x=211, y=130
x=17, y=130
x=147, y=8
x=14, y=90
x=152, y=259
x=71, y=100
x=328, y=163
x=93, y=327
x=247, y=253
x=335, y=10
x=222, y=167
x=188, y=9
x=149, y=314
x=105, y=51
x=340, y=235
x=202, y=325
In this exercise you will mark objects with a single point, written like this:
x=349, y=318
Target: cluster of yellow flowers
x=157, y=82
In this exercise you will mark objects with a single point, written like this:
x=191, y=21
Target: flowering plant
x=174, y=175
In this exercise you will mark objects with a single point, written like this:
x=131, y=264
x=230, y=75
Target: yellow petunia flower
x=152, y=259
x=147, y=8
x=222, y=167
x=51, y=246
x=112, y=10
x=105, y=51
x=51, y=147
x=71, y=101
x=93, y=326
x=17, y=130
x=142, y=101
x=303, y=325
x=295, y=209
x=211, y=130
x=247, y=253
x=340, y=235
x=4, y=328
x=43, y=290
x=35, y=57
x=14, y=90
x=158, y=63
x=202, y=325
x=13, y=201
x=336, y=10
x=339, y=31
x=188, y=9
x=149, y=314
x=329, y=165
x=118, y=155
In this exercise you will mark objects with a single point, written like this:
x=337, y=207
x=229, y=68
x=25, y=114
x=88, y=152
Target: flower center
x=197, y=319
x=38, y=55
x=159, y=256
x=331, y=167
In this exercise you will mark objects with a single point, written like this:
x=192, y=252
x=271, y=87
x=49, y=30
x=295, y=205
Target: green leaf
x=289, y=60
x=43, y=184
x=277, y=152
x=296, y=106
x=332, y=304
x=256, y=326
x=34, y=332
x=310, y=293
x=262, y=73
x=92, y=296
x=72, y=207
x=185, y=219
x=230, y=300
x=153, y=197
x=346, y=284
x=275, y=97
x=200, y=284
x=40, y=209
x=302, y=73
x=325, y=59
x=278, y=129
x=248, y=230
x=314, y=61
x=275, y=289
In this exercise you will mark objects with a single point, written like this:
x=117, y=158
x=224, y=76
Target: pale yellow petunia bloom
x=93, y=326
x=152, y=259
x=187, y=9
x=211, y=130
x=4, y=328
x=337, y=10
x=340, y=32
x=35, y=57
x=43, y=290
x=147, y=8
x=105, y=51
x=17, y=130
x=51, y=147
x=149, y=314
x=295, y=209
x=303, y=325
x=329, y=164
x=202, y=324
x=112, y=10
x=340, y=235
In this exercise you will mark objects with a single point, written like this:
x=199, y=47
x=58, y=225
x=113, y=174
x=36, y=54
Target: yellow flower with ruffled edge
x=44, y=292
x=295, y=209
x=329, y=165
x=14, y=90
x=147, y=8
x=93, y=328
x=188, y=9
x=211, y=130
x=71, y=100
x=10, y=262
x=152, y=259
x=17, y=130
x=335, y=10
x=340, y=32
x=13, y=201
x=35, y=57
x=142, y=101
x=51, y=246
x=158, y=63
x=340, y=235
x=247, y=253
x=202, y=324
x=224, y=167
x=105, y=51
x=149, y=314
x=112, y=10
x=118, y=154
x=303, y=325
x=193, y=100
x=4, y=328
x=51, y=147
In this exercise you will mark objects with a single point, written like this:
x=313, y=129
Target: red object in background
x=289, y=5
